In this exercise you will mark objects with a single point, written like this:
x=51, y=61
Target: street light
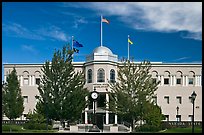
x=94, y=96
x=177, y=109
x=193, y=96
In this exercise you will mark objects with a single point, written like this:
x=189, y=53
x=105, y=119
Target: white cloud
x=182, y=58
x=78, y=21
x=53, y=32
x=153, y=16
x=29, y=48
x=17, y=30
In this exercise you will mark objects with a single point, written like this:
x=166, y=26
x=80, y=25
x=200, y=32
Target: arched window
x=191, y=79
x=112, y=75
x=89, y=77
x=101, y=75
x=179, y=77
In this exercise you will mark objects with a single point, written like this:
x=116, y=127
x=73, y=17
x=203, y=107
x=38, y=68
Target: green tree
x=134, y=89
x=11, y=97
x=153, y=115
x=62, y=92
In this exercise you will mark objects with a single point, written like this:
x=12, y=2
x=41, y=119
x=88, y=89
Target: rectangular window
x=178, y=81
x=166, y=117
x=167, y=99
x=178, y=117
x=37, y=81
x=25, y=81
x=178, y=99
x=166, y=81
x=25, y=99
x=190, y=80
x=190, y=117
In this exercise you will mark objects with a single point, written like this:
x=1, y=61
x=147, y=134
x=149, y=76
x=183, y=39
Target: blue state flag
x=77, y=44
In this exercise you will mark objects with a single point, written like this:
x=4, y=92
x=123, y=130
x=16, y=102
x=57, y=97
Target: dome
x=103, y=50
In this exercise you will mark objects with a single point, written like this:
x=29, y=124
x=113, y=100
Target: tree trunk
x=133, y=124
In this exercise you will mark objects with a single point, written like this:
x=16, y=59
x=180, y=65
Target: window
x=101, y=75
x=178, y=81
x=190, y=81
x=190, y=117
x=25, y=99
x=178, y=99
x=37, y=98
x=178, y=117
x=25, y=81
x=167, y=99
x=166, y=80
x=112, y=76
x=37, y=81
x=89, y=79
x=166, y=117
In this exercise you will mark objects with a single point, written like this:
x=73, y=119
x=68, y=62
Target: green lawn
x=183, y=130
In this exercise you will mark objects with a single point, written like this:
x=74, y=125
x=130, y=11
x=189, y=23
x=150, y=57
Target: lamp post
x=177, y=109
x=94, y=96
x=193, y=96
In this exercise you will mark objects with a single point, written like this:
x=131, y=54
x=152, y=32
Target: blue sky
x=161, y=31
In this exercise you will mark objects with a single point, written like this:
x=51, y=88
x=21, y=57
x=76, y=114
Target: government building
x=178, y=81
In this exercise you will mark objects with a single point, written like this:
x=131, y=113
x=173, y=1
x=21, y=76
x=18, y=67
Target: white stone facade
x=178, y=81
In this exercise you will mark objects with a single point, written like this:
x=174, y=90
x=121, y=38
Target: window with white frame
x=101, y=75
x=37, y=81
x=166, y=81
x=179, y=99
x=190, y=117
x=178, y=117
x=25, y=98
x=112, y=75
x=166, y=117
x=167, y=99
x=178, y=81
x=190, y=81
x=25, y=81
x=89, y=77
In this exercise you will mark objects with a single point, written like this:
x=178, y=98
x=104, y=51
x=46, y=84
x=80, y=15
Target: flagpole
x=128, y=48
x=72, y=49
x=101, y=31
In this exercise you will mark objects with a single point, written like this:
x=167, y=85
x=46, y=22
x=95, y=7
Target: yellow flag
x=129, y=41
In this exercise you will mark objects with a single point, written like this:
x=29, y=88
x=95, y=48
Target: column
x=171, y=80
x=21, y=84
x=107, y=107
x=174, y=82
x=186, y=80
x=183, y=80
x=159, y=80
x=5, y=78
x=85, y=112
x=33, y=82
x=116, y=119
x=196, y=80
x=199, y=80
x=162, y=80
x=116, y=116
x=29, y=80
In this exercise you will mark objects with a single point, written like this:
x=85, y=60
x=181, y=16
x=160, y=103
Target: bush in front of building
x=9, y=127
x=147, y=128
x=36, y=126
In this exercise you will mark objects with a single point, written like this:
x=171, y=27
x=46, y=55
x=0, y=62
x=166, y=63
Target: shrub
x=147, y=128
x=36, y=126
x=12, y=127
